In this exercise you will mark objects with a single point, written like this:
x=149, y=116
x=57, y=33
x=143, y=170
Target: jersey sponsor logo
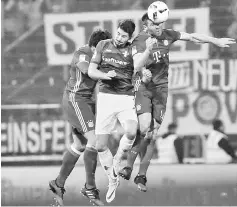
x=138, y=107
x=158, y=56
x=166, y=42
x=114, y=60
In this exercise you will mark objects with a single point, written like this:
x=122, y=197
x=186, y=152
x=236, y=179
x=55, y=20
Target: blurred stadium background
x=38, y=39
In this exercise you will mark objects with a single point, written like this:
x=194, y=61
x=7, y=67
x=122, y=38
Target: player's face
x=121, y=37
x=154, y=29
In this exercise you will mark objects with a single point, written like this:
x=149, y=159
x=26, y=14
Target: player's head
x=124, y=32
x=172, y=128
x=218, y=125
x=97, y=36
x=151, y=27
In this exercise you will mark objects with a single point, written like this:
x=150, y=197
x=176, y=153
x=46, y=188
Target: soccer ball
x=158, y=12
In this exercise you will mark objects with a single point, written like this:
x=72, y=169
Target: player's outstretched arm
x=200, y=38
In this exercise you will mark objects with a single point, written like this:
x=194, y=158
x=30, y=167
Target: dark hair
x=217, y=124
x=145, y=18
x=128, y=26
x=172, y=126
x=97, y=36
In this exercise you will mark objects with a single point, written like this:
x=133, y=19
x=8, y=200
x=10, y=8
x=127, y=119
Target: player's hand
x=147, y=73
x=146, y=76
x=150, y=42
x=111, y=74
x=225, y=42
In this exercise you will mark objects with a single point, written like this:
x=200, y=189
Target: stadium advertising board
x=64, y=33
x=200, y=91
x=27, y=136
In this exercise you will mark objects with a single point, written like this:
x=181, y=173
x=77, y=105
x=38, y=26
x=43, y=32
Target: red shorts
x=152, y=101
x=80, y=114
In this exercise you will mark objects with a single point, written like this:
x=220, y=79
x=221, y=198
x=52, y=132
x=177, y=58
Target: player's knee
x=91, y=139
x=131, y=133
x=101, y=147
x=144, y=128
x=117, y=134
x=76, y=149
x=130, y=129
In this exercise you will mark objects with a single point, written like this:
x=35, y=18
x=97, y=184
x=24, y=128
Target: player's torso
x=158, y=61
x=80, y=85
x=119, y=60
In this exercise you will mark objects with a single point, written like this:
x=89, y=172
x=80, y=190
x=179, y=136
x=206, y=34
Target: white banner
x=65, y=33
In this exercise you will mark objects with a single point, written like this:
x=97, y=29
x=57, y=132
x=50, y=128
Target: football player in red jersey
x=79, y=108
x=115, y=100
x=151, y=50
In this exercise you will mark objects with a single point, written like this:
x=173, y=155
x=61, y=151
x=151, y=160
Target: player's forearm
x=141, y=60
x=94, y=73
x=203, y=38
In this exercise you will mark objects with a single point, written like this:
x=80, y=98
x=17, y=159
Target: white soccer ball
x=158, y=12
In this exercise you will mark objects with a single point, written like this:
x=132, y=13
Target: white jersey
x=166, y=150
x=215, y=154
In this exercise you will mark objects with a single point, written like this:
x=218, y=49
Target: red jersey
x=109, y=58
x=158, y=61
x=80, y=85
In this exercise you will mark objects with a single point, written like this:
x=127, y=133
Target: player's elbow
x=91, y=72
x=137, y=67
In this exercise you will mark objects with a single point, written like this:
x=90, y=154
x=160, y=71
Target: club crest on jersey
x=166, y=42
x=138, y=107
x=90, y=123
x=125, y=53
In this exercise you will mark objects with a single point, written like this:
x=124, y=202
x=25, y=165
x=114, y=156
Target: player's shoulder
x=85, y=49
x=170, y=33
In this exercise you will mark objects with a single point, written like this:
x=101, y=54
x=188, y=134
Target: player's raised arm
x=140, y=59
x=201, y=38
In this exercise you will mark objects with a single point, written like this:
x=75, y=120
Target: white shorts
x=112, y=107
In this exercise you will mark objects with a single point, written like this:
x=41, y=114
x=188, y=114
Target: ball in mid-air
x=158, y=12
